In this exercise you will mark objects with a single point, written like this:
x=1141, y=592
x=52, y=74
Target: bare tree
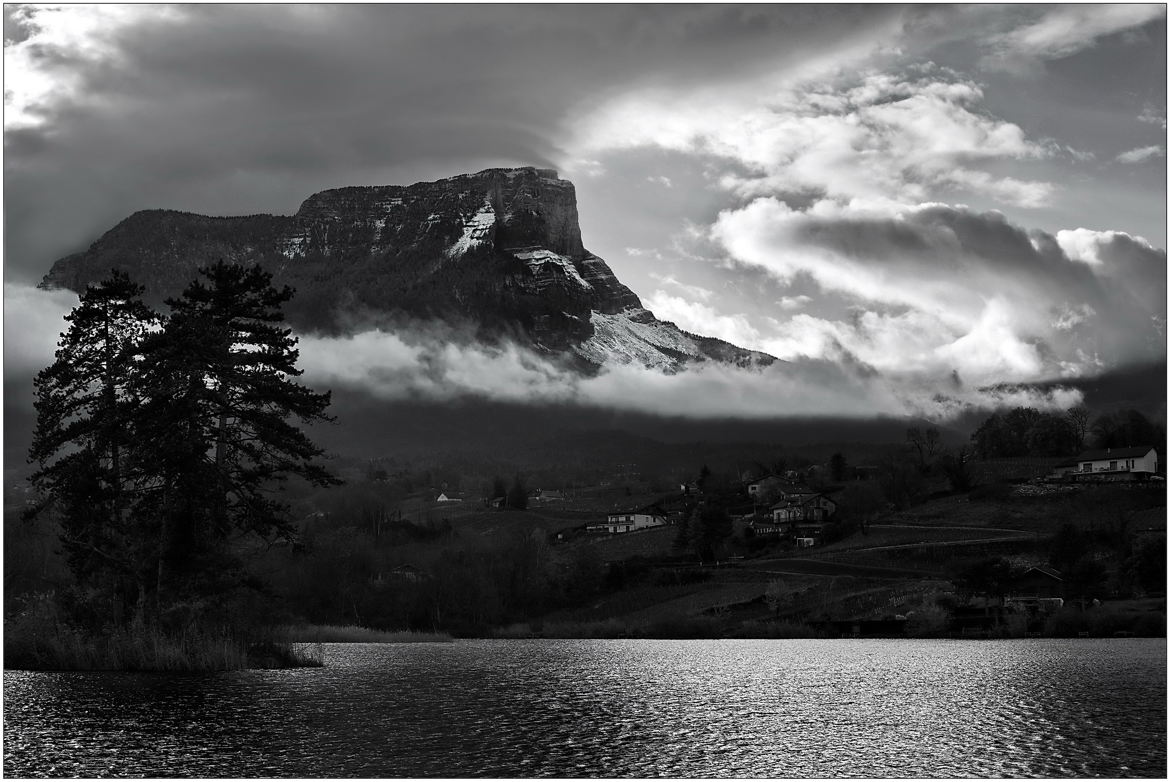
x=1079, y=418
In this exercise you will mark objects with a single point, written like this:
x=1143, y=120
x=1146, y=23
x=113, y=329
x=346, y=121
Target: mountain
x=497, y=253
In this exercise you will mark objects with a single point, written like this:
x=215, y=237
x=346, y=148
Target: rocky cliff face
x=499, y=251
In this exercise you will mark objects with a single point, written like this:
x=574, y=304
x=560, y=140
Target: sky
x=901, y=201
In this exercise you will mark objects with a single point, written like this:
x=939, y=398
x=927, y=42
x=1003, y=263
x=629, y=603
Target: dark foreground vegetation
x=158, y=444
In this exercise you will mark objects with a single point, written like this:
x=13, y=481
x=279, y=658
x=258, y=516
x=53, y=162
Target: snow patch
x=537, y=257
x=475, y=228
x=294, y=247
x=622, y=339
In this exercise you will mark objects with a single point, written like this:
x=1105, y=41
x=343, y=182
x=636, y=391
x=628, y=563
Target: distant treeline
x=1025, y=431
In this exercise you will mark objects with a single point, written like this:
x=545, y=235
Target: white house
x=1141, y=462
x=628, y=521
x=444, y=498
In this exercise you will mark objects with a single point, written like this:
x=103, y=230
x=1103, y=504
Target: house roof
x=803, y=498
x=1114, y=453
x=652, y=510
x=1047, y=571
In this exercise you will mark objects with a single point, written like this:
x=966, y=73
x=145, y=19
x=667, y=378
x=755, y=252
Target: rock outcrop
x=499, y=251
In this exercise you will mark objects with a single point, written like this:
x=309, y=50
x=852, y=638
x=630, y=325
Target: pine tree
x=86, y=403
x=518, y=495
x=218, y=392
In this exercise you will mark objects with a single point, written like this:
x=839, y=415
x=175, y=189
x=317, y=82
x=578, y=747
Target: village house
x=803, y=506
x=1111, y=464
x=767, y=527
x=805, y=514
x=548, y=495
x=629, y=521
x=444, y=497
x=1037, y=587
x=763, y=485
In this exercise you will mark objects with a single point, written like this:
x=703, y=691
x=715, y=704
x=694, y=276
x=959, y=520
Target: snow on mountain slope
x=634, y=336
x=476, y=229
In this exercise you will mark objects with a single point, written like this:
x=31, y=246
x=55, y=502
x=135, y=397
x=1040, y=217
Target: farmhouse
x=628, y=521
x=1112, y=464
x=763, y=485
x=767, y=525
x=1037, y=587
x=805, y=506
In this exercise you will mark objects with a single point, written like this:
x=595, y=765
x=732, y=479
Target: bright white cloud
x=429, y=362
x=1062, y=30
x=883, y=138
x=33, y=322
x=47, y=67
x=699, y=318
x=1141, y=154
x=940, y=289
x=1086, y=245
x=420, y=366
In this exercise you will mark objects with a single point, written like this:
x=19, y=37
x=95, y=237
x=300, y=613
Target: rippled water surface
x=616, y=708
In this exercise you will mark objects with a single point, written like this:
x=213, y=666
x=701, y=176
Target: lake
x=582, y=708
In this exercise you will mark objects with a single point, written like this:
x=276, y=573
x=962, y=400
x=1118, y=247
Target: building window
x=1113, y=465
x=1087, y=467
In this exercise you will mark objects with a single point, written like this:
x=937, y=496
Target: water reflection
x=616, y=708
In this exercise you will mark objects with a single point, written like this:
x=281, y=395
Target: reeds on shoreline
x=41, y=637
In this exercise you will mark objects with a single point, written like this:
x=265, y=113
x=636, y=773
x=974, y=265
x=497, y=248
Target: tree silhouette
x=159, y=446
x=86, y=402
x=838, y=466
x=518, y=495
x=217, y=393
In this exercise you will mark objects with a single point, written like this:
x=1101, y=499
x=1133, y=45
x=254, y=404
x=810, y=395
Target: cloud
x=937, y=288
x=883, y=138
x=1151, y=115
x=694, y=291
x=1064, y=30
x=244, y=109
x=794, y=302
x=33, y=321
x=421, y=366
x=430, y=362
x=43, y=61
x=699, y=318
x=1141, y=154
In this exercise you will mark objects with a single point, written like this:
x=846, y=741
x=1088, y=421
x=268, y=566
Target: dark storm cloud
x=245, y=109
